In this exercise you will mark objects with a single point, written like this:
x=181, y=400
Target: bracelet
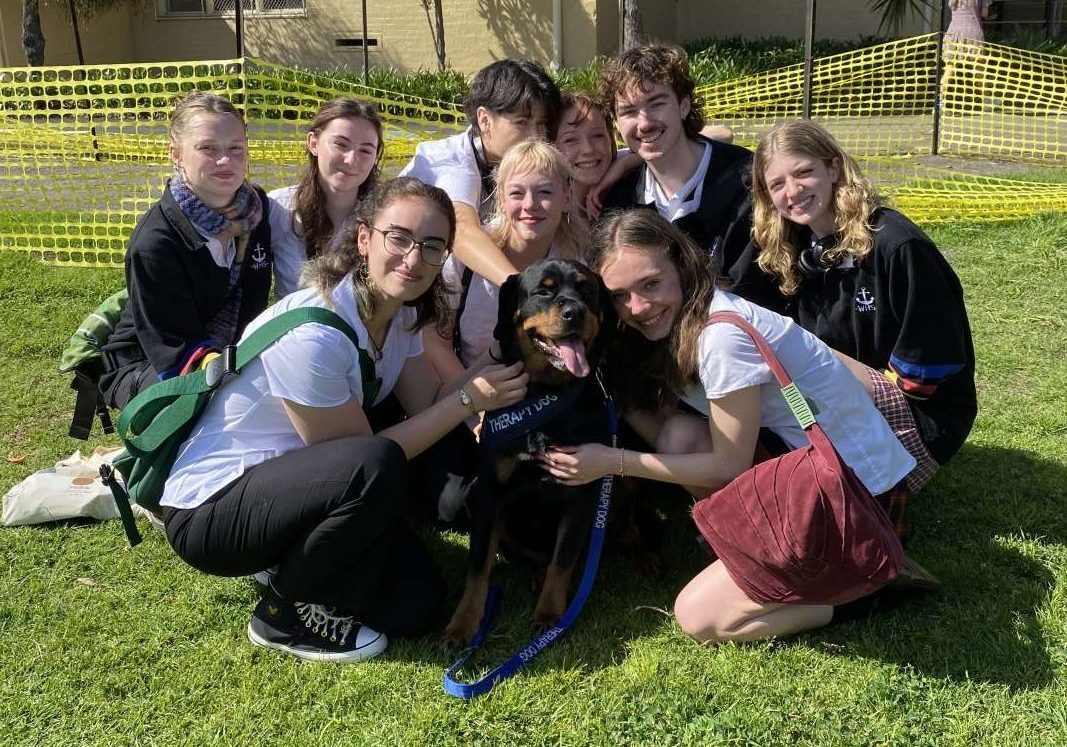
x=622, y=461
x=468, y=401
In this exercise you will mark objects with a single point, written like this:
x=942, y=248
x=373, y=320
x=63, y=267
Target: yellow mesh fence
x=84, y=149
x=996, y=103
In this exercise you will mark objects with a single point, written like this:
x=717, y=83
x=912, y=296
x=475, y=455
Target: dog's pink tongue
x=573, y=354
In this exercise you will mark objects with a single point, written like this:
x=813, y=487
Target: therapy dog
x=556, y=317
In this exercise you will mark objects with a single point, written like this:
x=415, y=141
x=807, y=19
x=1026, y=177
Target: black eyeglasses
x=399, y=244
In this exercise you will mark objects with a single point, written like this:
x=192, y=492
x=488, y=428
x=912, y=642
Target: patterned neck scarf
x=237, y=219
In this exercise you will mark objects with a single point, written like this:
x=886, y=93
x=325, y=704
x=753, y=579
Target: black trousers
x=332, y=516
x=119, y=385
x=442, y=475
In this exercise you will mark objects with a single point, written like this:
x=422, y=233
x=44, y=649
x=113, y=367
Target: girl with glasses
x=283, y=468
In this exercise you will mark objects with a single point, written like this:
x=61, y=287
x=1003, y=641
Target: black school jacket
x=722, y=224
x=176, y=289
x=901, y=310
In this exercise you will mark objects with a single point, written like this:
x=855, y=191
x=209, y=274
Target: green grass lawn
x=103, y=645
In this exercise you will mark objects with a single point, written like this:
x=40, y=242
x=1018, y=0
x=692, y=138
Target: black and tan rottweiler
x=556, y=317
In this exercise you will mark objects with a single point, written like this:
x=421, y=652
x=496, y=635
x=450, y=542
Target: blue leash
x=556, y=631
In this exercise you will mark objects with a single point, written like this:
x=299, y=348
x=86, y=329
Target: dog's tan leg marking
x=468, y=615
x=552, y=602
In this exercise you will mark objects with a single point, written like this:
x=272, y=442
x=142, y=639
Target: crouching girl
x=283, y=469
x=869, y=283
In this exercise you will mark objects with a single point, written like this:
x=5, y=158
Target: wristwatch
x=465, y=398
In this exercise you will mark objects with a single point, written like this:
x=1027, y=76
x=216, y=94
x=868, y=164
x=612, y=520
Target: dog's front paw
x=458, y=635
x=543, y=620
x=464, y=623
x=550, y=608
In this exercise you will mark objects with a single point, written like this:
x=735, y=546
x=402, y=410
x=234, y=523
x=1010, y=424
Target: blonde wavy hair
x=780, y=240
x=537, y=156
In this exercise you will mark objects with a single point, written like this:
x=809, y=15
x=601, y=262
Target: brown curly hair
x=327, y=270
x=648, y=64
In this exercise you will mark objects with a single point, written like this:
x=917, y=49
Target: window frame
x=208, y=10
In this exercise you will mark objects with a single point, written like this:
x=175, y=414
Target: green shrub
x=710, y=61
x=449, y=86
x=580, y=78
x=1032, y=38
x=716, y=60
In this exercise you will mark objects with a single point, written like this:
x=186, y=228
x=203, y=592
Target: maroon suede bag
x=800, y=528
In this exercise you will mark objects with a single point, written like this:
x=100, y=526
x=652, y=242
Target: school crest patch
x=864, y=299
x=259, y=257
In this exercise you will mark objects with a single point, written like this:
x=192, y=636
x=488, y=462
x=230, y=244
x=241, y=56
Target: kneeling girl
x=660, y=282
x=869, y=283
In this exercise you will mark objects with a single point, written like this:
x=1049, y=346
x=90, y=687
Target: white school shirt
x=245, y=423
x=480, y=310
x=728, y=361
x=688, y=198
x=450, y=164
x=290, y=250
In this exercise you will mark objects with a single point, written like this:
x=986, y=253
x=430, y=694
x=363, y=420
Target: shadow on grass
x=991, y=525
x=988, y=526
x=623, y=606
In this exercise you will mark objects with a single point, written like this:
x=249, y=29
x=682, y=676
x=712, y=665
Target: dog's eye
x=542, y=291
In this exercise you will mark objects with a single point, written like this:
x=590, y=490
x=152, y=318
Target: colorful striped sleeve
x=916, y=380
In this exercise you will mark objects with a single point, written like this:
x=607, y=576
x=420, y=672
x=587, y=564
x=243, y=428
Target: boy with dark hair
x=697, y=183
x=509, y=101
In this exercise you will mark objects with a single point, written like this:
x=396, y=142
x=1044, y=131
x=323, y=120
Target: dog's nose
x=569, y=312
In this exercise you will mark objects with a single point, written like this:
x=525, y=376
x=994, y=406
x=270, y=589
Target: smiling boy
x=696, y=183
x=509, y=101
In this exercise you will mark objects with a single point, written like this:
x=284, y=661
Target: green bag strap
x=159, y=411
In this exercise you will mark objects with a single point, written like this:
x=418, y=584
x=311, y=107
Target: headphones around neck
x=813, y=262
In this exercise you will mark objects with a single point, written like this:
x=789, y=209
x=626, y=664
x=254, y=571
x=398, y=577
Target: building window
x=193, y=8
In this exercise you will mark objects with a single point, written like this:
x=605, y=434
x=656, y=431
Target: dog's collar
x=540, y=406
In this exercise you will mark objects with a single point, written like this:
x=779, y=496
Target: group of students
x=300, y=470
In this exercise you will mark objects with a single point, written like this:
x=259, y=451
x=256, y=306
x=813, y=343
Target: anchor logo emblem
x=864, y=300
x=259, y=256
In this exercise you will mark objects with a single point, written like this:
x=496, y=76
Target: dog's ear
x=507, y=308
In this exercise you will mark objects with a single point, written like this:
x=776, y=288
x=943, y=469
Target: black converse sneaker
x=312, y=631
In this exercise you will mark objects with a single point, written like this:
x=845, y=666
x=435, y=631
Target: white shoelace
x=323, y=622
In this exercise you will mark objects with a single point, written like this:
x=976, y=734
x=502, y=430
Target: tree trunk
x=1052, y=18
x=437, y=31
x=32, y=35
x=439, y=42
x=633, y=30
